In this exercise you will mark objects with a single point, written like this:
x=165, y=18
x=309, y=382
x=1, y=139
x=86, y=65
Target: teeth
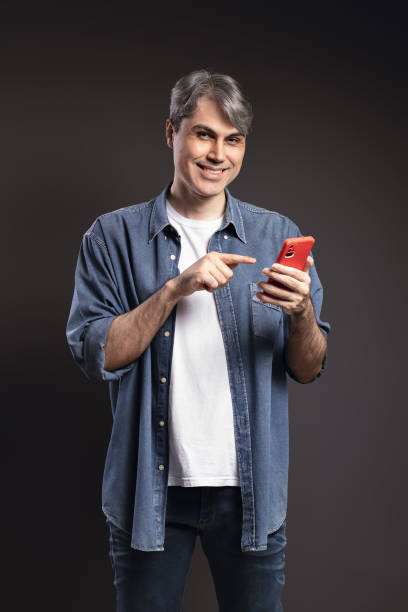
x=212, y=171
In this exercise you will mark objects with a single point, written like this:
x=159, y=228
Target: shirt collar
x=159, y=219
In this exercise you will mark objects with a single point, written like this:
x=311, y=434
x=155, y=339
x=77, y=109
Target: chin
x=209, y=189
x=211, y=192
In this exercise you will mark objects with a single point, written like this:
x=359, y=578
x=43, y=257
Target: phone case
x=293, y=253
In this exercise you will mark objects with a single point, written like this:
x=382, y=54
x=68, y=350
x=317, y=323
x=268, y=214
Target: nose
x=216, y=152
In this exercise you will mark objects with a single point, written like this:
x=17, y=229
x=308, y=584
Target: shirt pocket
x=266, y=318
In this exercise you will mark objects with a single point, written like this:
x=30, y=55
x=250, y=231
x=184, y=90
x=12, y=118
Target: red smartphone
x=293, y=253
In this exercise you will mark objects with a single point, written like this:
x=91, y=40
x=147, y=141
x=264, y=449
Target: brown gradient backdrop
x=84, y=99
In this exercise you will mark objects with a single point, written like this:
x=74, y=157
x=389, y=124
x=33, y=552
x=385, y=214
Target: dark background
x=84, y=99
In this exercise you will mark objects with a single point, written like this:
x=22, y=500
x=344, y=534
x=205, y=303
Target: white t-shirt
x=202, y=448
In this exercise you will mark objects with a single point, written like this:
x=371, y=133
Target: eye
x=235, y=139
x=202, y=134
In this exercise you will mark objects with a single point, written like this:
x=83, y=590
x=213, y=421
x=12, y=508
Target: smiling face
x=208, y=151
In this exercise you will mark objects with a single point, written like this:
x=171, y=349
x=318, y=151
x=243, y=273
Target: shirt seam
x=96, y=238
x=103, y=245
x=260, y=210
x=132, y=208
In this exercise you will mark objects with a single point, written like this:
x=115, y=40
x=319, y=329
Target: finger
x=287, y=271
x=234, y=258
x=208, y=282
x=308, y=264
x=266, y=299
x=289, y=281
x=220, y=272
x=276, y=292
x=225, y=270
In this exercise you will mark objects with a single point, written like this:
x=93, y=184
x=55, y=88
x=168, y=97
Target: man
x=196, y=349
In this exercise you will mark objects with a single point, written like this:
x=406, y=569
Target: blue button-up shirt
x=125, y=256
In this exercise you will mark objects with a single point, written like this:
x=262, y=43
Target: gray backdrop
x=84, y=102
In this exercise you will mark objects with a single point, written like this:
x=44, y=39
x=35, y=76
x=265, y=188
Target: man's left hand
x=295, y=298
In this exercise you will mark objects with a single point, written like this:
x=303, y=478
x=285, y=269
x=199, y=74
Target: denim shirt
x=125, y=256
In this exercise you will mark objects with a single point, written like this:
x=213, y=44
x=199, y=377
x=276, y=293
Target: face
x=208, y=150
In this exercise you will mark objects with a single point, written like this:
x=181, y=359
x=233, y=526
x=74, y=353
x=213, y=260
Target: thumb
x=308, y=264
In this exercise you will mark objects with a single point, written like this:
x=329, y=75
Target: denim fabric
x=125, y=256
x=244, y=582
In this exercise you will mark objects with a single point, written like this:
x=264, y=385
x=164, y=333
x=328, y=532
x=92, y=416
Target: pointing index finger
x=236, y=258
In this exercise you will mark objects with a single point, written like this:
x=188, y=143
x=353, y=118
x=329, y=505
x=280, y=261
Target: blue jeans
x=155, y=581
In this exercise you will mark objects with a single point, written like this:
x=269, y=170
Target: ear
x=169, y=133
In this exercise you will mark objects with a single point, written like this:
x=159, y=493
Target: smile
x=211, y=171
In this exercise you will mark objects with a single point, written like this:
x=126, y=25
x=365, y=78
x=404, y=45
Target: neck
x=196, y=206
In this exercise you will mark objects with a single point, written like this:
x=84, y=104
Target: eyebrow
x=202, y=126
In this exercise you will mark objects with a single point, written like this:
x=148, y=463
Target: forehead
x=210, y=113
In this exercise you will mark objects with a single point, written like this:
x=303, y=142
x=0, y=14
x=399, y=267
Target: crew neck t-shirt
x=202, y=448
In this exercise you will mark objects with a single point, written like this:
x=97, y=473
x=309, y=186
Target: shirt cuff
x=94, y=352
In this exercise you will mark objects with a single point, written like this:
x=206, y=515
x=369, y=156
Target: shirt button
x=226, y=237
x=165, y=237
x=167, y=333
x=161, y=423
x=161, y=467
x=172, y=257
x=163, y=379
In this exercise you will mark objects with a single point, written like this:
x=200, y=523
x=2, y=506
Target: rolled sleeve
x=96, y=303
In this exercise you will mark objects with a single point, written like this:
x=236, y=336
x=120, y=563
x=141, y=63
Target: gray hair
x=222, y=88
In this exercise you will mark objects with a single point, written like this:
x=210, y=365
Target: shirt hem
x=113, y=520
x=202, y=482
x=255, y=548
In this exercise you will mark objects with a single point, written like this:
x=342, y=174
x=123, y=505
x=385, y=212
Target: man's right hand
x=211, y=271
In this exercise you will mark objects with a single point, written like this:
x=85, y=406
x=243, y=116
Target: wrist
x=306, y=313
x=170, y=290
